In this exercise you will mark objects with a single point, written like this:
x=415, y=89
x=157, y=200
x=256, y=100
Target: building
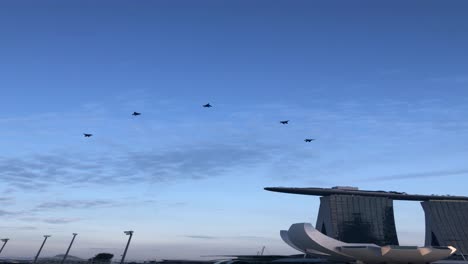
x=351, y=215
x=357, y=219
x=305, y=238
x=446, y=224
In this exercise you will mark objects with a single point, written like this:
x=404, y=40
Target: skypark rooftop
x=355, y=191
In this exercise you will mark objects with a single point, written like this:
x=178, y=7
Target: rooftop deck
x=354, y=191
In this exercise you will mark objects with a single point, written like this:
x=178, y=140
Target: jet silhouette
x=87, y=135
x=207, y=105
x=136, y=114
x=284, y=122
x=309, y=139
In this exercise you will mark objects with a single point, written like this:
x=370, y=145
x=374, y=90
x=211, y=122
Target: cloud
x=60, y=220
x=38, y=172
x=19, y=227
x=7, y=200
x=104, y=248
x=450, y=79
x=90, y=204
x=74, y=204
x=202, y=237
x=120, y=164
x=225, y=237
x=30, y=219
x=50, y=220
x=8, y=213
x=421, y=175
x=177, y=204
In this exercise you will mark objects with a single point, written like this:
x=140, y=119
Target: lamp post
x=130, y=234
x=4, y=240
x=40, y=249
x=68, y=250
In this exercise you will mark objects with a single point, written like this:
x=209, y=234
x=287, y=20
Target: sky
x=381, y=85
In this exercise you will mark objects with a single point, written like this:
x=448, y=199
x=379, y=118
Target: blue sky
x=381, y=86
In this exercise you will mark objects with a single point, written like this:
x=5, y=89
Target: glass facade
x=358, y=219
x=447, y=224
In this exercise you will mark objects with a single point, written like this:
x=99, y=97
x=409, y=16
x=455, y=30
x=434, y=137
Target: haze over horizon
x=381, y=86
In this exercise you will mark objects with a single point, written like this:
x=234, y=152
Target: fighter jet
x=136, y=114
x=87, y=135
x=284, y=122
x=309, y=139
x=207, y=105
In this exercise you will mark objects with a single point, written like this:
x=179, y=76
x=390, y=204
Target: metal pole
x=40, y=249
x=5, y=240
x=461, y=253
x=455, y=242
x=68, y=250
x=130, y=234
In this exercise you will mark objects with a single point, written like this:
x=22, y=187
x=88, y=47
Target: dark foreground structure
x=356, y=216
x=447, y=224
x=357, y=219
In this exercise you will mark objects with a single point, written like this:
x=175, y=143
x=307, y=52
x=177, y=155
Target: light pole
x=130, y=234
x=40, y=249
x=68, y=250
x=4, y=240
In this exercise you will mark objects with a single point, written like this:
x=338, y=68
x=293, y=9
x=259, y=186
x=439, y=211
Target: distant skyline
x=380, y=86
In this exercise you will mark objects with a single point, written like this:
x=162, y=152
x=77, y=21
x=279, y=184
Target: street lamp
x=130, y=234
x=68, y=250
x=4, y=240
x=40, y=249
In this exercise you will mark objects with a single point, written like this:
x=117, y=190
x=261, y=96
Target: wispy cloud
x=60, y=220
x=420, y=175
x=7, y=200
x=73, y=169
x=224, y=237
x=8, y=213
x=61, y=205
x=451, y=79
x=104, y=248
x=49, y=220
x=18, y=227
x=201, y=237
x=75, y=204
x=203, y=160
